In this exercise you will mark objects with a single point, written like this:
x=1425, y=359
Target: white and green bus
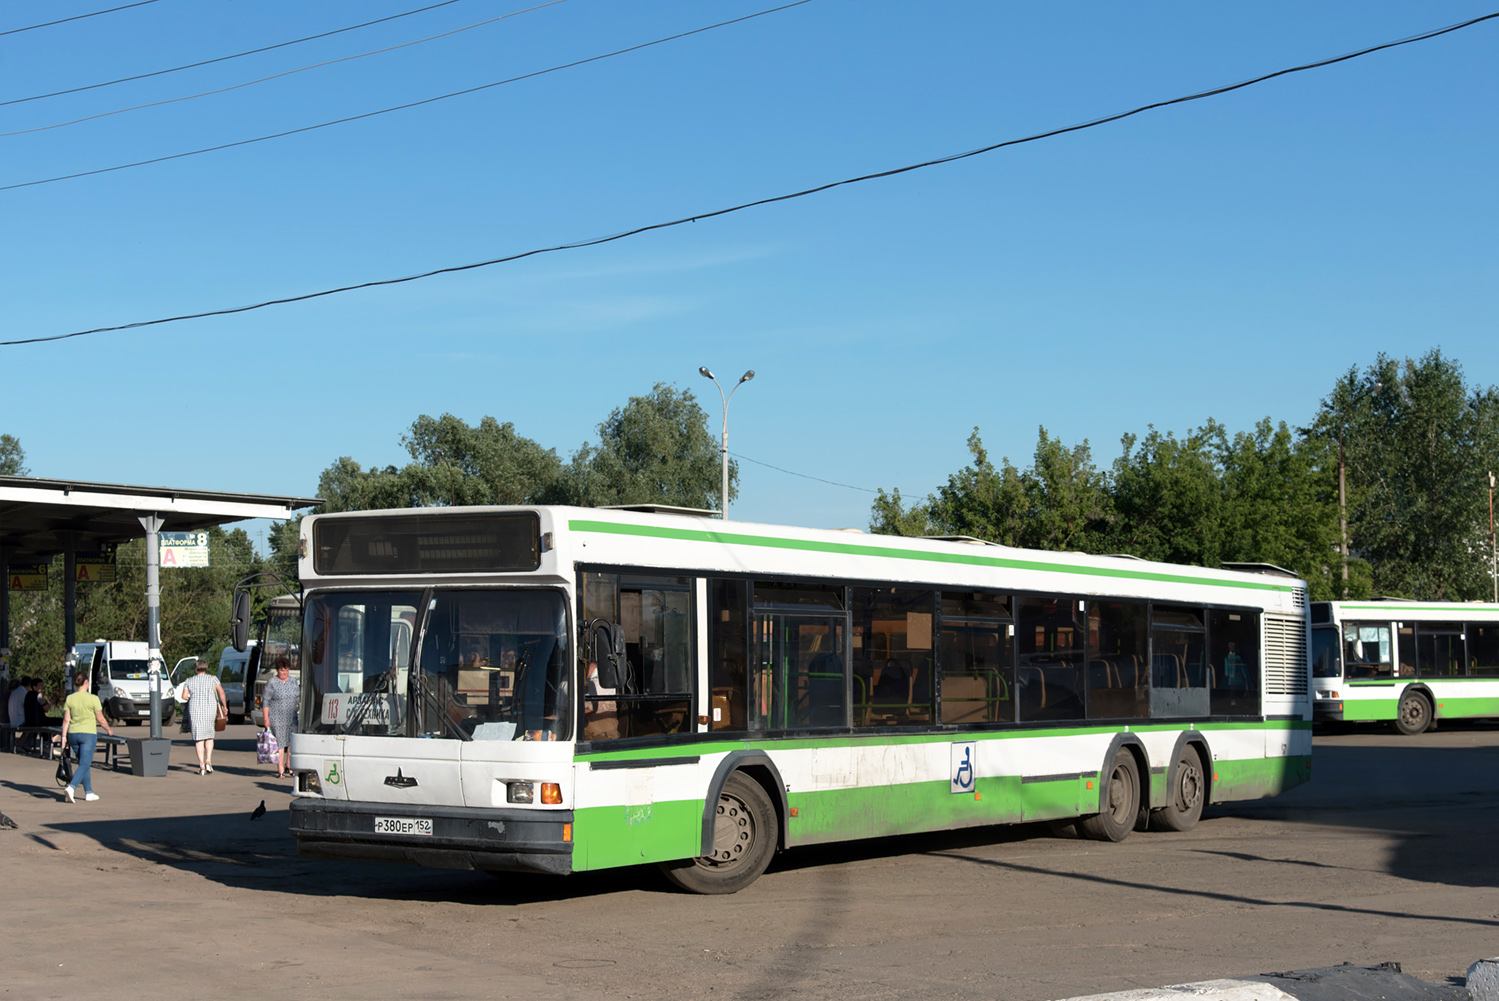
x=1409, y=663
x=562, y=690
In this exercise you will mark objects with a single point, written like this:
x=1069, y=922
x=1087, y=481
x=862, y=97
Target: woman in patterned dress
x=278, y=702
x=205, y=703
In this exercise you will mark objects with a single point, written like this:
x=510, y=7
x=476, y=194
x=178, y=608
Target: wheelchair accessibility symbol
x=964, y=767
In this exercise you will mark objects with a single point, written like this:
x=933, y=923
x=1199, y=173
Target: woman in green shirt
x=81, y=718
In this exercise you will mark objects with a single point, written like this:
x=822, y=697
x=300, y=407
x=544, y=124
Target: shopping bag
x=266, y=748
x=64, y=769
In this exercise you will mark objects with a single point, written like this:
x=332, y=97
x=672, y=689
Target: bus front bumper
x=460, y=838
x=1329, y=711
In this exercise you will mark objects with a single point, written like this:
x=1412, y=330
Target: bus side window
x=1407, y=651
x=1234, y=656
x=1366, y=650
x=728, y=653
x=655, y=695
x=1483, y=649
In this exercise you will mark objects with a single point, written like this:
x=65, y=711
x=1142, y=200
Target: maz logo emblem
x=400, y=781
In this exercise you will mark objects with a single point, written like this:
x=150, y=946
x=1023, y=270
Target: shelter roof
x=36, y=514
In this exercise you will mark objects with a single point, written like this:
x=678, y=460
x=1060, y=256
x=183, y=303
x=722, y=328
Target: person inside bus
x=600, y=719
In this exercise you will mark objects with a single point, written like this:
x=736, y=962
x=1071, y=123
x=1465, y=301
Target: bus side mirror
x=239, y=623
x=609, y=653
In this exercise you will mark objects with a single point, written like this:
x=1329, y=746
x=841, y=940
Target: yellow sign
x=27, y=576
x=94, y=567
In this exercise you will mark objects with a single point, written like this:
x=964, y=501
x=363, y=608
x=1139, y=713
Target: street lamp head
x=746, y=377
x=702, y=370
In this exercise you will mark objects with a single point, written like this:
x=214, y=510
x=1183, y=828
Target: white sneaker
x=90, y=797
x=68, y=792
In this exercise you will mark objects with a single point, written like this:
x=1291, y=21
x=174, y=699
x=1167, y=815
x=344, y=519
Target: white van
x=121, y=679
x=231, y=674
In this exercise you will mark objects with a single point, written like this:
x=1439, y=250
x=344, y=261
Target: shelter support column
x=152, y=524
x=69, y=605
x=4, y=617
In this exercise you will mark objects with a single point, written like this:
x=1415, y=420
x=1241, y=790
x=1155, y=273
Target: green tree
x=1418, y=444
x=1168, y=497
x=452, y=464
x=1060, y=502
x=344, y=486
x=195, y=606
x=656, y=449
x=456, y=464
x=12, y=457
x=1279, y=505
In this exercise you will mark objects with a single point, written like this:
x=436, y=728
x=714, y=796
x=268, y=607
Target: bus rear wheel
x=1188, y=794
x=744, y=839
x=1414, y=714
x=1121, y=802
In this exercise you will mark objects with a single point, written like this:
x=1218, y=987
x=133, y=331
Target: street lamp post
x=723, y=449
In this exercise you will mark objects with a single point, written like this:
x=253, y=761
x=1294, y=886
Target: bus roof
x=566, y=537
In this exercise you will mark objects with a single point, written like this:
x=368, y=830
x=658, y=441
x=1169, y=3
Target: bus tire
x=1121, y=802
x=1414, y=714
x=744, y=839
x=1188, y=794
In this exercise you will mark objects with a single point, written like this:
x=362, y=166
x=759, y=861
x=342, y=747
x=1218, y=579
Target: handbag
x=219, y=723
x=266, y=748
x=64, y=769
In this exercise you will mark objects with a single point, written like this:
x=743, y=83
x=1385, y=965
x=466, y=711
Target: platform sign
x=27, y=576
x=183, y=549
x=94, y=568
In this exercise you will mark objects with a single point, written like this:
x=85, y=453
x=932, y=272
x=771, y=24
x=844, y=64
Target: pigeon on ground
x=7, y=822
x=259, y=811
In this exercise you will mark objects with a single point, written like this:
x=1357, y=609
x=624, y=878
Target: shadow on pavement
x=1441, y=803
x=233, y=850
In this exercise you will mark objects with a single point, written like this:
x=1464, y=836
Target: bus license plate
x=403, y=825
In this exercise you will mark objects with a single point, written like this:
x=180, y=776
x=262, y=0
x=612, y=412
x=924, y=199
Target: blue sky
x=1228, y=258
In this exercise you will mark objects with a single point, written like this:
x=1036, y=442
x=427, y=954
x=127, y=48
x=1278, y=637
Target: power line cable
x=412, y=104
x=220, y=59
x=76, y=17
x=805, y=476
x=277, y=76
x=759, y=202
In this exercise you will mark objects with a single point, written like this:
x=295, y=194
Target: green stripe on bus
x=850, y=549
x=1449, y=708
x=657, y=832
x=1369, y=710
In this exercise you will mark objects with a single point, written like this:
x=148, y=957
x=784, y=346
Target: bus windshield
x=493, y=664
x=1325, y=645
x=360, y=653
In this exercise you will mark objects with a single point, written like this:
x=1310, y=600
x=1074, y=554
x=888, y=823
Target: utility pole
x=1342, y=485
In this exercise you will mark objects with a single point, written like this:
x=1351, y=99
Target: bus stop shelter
x=42, y=518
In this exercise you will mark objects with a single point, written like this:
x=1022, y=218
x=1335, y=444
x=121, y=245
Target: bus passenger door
x=800, y=680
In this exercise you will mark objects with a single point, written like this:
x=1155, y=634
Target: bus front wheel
x=744, y=839
x=1121, y=802
x=1414, y=714
x=1188, y=793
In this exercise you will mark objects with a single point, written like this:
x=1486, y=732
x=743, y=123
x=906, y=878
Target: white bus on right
x=1408, y=663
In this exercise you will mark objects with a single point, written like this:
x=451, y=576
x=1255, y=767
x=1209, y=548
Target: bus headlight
x=520, y=792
